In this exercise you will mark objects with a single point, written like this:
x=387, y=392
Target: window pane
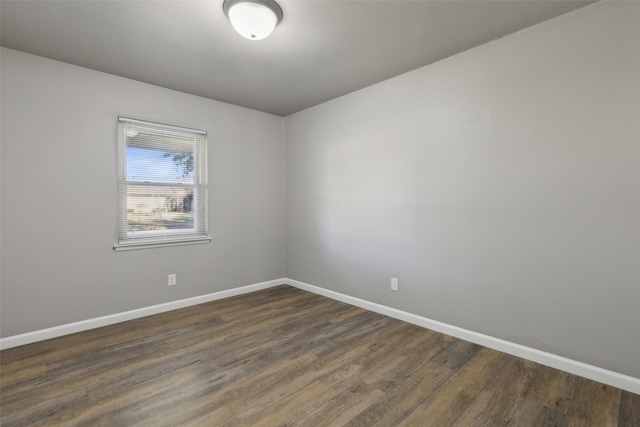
x=162, y=185
x=151, y=165
x=155, y=208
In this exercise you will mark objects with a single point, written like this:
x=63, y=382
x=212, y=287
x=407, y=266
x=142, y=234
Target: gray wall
x=59, y=126
x=501, y=186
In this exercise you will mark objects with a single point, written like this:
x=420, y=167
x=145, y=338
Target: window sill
x=131, y=246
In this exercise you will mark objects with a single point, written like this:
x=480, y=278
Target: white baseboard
x=71, y=328
x=591, y=372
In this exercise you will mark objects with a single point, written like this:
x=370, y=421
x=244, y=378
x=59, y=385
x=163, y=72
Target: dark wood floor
x=284, y=356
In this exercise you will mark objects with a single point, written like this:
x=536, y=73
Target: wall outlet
x=172, y=280
x=394, y=284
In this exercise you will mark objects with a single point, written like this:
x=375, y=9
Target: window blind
x=162, y=185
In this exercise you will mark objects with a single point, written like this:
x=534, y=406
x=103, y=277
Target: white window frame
x=164, y=135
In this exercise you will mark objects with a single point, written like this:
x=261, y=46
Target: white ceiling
x=322, y=49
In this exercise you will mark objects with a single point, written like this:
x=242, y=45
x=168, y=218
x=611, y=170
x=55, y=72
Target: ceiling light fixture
x=253, y=19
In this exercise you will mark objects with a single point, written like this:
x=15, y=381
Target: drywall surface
x=59, y=127
x=500, y=186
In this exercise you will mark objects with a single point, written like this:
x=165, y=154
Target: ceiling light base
x=253, y=19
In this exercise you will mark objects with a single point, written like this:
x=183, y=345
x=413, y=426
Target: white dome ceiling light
x=253, y=19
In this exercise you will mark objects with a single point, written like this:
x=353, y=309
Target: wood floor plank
x=453, y=398
x=531, y=413
x=127, y=406
x=219, y=417
x=394, y=363
x=457, y=355
x=291, y=408
x=20, y=375
x=278, y=382
x=350, y=312
x=402, y=397
x=553, y=389
x=284, y=356
x=629, y=414
x=496, y=404
x=342, y=407
x=594, y=404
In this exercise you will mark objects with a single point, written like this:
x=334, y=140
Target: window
x=162, y=185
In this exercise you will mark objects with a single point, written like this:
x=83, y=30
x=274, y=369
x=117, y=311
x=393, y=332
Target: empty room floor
x=284, y=356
